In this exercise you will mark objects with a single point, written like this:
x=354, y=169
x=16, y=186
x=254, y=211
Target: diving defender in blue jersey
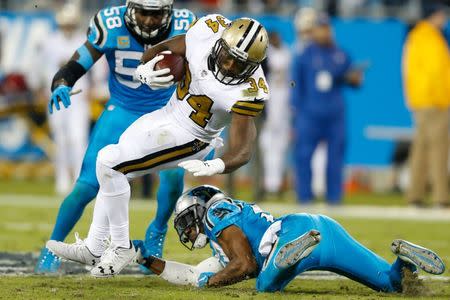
x=247, y=242
x=122, y=34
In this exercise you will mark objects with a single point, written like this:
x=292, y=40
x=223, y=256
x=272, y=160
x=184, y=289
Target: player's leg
x=418, y=160
x=438, y=155
x=335, y=160
x=149, y=144
x=337, y=252
x=171, y=184
x=342, y=254
x=108, y=128
x=307, y=138
x=296, y=242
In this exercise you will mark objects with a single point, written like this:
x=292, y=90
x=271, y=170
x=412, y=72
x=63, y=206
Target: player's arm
x=160, y=79
x=176, y=45
x=354, y=78
x=66, y=77
x=181, y=274
x=80, y=62
x=242, y=138
x=242, y=263
x=240, y=148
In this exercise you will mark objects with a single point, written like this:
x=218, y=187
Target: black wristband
x=148, y=261
x=70, y=73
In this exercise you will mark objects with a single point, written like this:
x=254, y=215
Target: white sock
x=115, y=190
x=99, y=230
x=117, y=209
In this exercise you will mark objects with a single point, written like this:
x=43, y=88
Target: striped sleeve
x=97, y=33
x=248, y=108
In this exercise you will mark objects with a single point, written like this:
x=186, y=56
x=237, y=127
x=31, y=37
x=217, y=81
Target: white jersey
x=56, y=52
x=203, y=105
x=279, y=62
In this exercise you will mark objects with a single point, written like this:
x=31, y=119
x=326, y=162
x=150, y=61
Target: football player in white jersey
x=223, y=85
x=70, y=128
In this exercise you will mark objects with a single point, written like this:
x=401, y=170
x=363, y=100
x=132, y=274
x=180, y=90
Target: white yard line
x=348, y=211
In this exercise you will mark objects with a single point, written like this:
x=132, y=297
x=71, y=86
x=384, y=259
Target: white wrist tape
x=218, y=164
x=183, y=274
x=180, y=274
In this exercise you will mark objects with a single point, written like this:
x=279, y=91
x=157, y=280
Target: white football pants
x=153, y=142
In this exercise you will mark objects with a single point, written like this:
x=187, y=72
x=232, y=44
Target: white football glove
x=203, y=168
x=156, y=80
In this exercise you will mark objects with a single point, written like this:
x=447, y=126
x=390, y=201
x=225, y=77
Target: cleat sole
x=296, y=250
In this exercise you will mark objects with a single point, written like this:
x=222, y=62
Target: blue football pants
x=337, y=252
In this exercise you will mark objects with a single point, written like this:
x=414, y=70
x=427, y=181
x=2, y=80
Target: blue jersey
x=248, y=217
x=109, y=35
x=319, y=73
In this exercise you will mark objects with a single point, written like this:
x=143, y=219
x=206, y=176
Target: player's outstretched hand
x=203, y=168
x=203, y=279
x=155, y=79
x=61, y=93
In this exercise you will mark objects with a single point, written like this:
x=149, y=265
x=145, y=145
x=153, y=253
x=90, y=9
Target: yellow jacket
x=426, y=68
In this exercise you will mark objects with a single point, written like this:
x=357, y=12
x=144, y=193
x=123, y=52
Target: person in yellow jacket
x=426, y=75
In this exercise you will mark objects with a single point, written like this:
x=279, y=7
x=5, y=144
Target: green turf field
x=26, y=222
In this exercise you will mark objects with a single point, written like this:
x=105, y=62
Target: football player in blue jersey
x=247, y=242
x=122, y=34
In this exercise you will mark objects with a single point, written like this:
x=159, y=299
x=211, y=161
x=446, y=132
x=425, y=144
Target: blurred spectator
x=274, y=139
x=426, y=72
x=304, y=21
x=318, y=74
x=70, y=127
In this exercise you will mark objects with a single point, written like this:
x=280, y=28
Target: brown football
x=174, y=62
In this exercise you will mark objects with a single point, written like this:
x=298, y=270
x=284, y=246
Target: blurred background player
x=319, y=73
x=121, y=34
x=426, y=75
x=274, y=139
x=69, y=128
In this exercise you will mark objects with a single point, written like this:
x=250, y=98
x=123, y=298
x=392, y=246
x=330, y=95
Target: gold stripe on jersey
x=161, y=157
x=193, y=23
x=248, y=108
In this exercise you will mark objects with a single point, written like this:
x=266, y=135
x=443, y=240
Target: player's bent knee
x=110, y=180
x=108, y=156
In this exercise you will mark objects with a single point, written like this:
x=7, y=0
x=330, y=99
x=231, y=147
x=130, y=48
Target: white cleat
x=294, y=251
x=77, y=251
x=113, y=260
x=423, y=258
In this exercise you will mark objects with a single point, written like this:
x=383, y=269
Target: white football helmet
x=162, y=7
x=305, y=19
x=68, y=15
